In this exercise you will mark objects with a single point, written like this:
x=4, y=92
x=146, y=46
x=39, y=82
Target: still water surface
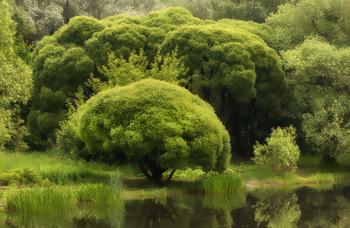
x=302, y=207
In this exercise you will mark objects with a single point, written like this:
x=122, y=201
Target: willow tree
x=236, y=72
x=158, y=125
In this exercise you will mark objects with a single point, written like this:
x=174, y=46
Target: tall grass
x=102, y=194
x=220, y=184
x=41, y=201
x=322, y=177
x=99, y=194
x=58, y=170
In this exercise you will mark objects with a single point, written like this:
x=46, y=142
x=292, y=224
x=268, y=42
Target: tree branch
x=144, y=171
x=170, y=176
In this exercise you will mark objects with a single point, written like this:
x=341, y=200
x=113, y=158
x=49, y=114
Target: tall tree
x=237, y=73
x=15, y=81
x=319, y=78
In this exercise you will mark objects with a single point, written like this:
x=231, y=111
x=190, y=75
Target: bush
x=157, y=125
x=20, y=176
x=280, y=153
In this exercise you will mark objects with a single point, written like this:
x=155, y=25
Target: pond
x=302, y=207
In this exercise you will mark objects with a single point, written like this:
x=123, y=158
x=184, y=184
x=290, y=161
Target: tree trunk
x=328, y=160
x=156, y=171
x=144, y=171
x=251, y=127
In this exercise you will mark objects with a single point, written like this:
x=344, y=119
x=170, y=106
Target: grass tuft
x=41, y=201
x=322, y=177
x=214, y=183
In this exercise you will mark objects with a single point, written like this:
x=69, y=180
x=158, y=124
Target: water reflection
x=83, y=215
x=278, y=210
x=304, y=207
x=325, y=209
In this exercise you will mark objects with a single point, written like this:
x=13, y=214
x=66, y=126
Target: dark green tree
x=237, y=73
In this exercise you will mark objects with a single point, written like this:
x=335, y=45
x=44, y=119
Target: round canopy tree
x=156, y=124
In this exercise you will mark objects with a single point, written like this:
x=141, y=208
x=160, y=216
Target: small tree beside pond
x=155, y=124
x=280, y=153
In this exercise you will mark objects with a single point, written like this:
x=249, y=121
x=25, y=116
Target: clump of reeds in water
x=102, y=194
x=41, y=201
x=215, y=183
x=322, y=177
x=102, y=201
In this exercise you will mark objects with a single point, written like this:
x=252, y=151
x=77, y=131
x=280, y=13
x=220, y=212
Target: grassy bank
x=45, y=170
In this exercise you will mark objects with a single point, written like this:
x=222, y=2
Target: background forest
x=260, y=64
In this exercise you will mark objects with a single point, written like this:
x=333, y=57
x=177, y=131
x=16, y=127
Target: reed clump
x=215, y=183
x=322, y=177
x=41, y=201
x=102, y=194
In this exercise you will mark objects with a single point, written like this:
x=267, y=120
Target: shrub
x=20, y=176
x=280, y=153
x=157, y=125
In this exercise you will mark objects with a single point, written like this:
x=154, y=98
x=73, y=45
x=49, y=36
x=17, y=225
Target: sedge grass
x=98, y=194
x=41, y=201
x=322, y=177
x=221, y=183
x=58, y=170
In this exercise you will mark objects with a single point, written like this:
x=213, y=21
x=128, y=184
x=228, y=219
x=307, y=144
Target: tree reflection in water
x=329, y=208
x=278, y=210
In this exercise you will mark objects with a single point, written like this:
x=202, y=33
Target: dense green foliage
x=248, y=10
x=158, y=125
x=15, y=83
x=121, y=72
x=38, y=19
x=280, y=153
x=65, y=60
x=236, y=72
x=319, y=76
x=292, y=23
x=228, y=66
x=228, y=63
